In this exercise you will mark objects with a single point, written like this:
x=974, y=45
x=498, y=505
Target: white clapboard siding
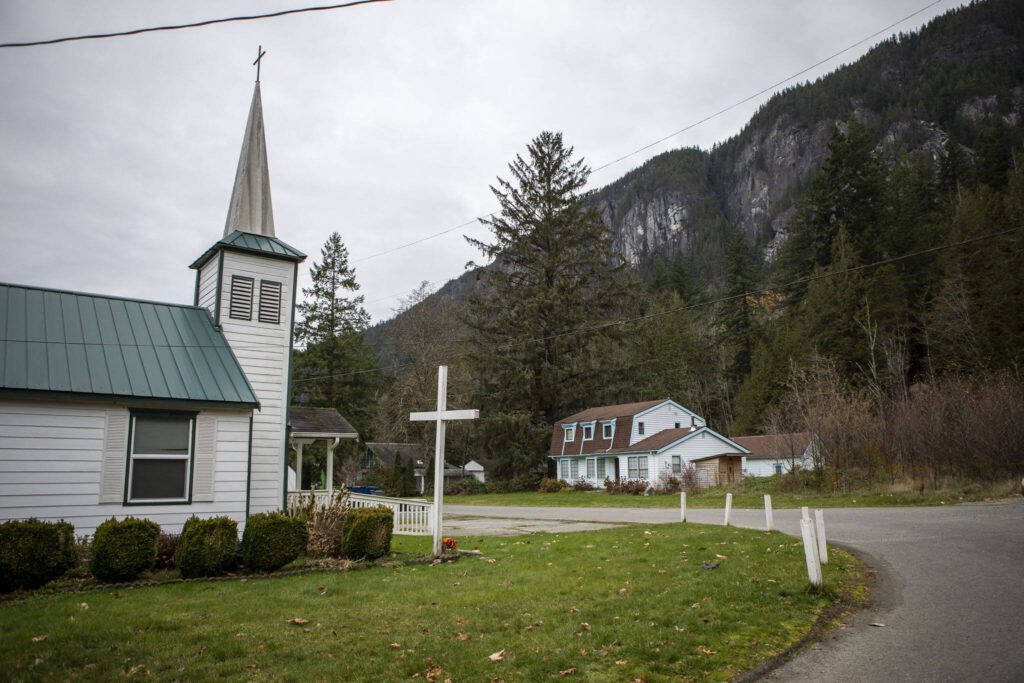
x=262, y=350
x=208, y=286
x=83, y=480
x=659, y=418
x=699, y=446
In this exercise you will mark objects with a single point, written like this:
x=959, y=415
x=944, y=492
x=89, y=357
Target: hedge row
x=35, y=552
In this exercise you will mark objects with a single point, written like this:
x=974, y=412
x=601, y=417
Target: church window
x=241, y=297
x=160, y=457
x=270, y=302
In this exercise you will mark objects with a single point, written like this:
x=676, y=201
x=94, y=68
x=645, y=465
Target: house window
x=591, y=468
x=677, y=464
x=640, y=428
x=270, y=302
x=637, y=467
x=588, y=432
x=600, y=468
x=241, y=298
x=607, y=429
x=677, y=425
x=160, y=458
x=778, y=468
x=570, y=433
x=570, y=470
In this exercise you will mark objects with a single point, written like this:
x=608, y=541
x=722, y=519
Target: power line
x=685, y=128
x=679, y=309
x=197, y=24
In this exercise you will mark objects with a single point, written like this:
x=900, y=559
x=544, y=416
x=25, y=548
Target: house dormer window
x=588, y=432
x=607, y=430
x=677, y=425
x=640, y=428
x=570, y=432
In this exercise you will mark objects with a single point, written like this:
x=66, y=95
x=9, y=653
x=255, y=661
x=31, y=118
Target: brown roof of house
x=655, y=442
x=623, y=416
x=775, y=445
x=308, y=420
x=608, y=412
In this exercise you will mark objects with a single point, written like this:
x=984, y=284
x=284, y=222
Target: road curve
x=949, y=593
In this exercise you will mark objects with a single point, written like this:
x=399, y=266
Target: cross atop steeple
x=260, y=52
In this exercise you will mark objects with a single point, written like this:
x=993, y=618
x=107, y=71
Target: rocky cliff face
x=961, y=73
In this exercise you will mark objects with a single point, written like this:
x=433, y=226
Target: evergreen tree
x=553, y=272
x=737, y=332
x=336, y=369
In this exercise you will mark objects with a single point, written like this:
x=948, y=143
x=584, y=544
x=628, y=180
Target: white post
x=728, y=508
x=811, y=552
x=330, y=465
x=769, y=523
x=442, y=405
x=819, y=528
x=682, y=506
x=805, y=513
x=298, y=466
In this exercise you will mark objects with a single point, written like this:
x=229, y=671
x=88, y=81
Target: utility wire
x=196, y=24
x=685, y=128
x=650, y=316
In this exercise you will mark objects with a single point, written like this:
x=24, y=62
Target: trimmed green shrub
x=367, y=533
x=34, y=552
x=123, y=549
x=206, y=547
x=466, y=485
x=271, y=540
x=551, y=485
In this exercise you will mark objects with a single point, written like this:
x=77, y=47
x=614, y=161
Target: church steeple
x=250, y=209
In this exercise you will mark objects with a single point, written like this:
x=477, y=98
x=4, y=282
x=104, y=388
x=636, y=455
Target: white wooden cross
x=441, y=415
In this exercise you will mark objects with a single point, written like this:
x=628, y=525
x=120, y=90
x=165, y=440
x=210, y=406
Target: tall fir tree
x=552, y=272
x=336, y=369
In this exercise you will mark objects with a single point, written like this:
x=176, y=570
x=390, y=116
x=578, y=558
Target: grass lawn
x=749, y=494
x=612, y=605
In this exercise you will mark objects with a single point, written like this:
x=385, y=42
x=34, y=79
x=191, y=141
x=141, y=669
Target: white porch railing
x=412, y=516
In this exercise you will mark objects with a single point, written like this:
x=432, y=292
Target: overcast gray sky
x=385, y=123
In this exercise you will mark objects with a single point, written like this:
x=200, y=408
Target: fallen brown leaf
x=433, y=672
x=585, y=626
x=38, y=639
x=298, y=621
x=620, y=662
x=462, y=636
x=396, y=646
x=497, y=656
x=567, y=672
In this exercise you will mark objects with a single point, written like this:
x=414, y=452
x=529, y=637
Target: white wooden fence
x=412, y=516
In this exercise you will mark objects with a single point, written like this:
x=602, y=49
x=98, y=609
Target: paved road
x=950, y=589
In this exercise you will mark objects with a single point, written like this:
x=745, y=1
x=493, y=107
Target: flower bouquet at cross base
x=449, y=543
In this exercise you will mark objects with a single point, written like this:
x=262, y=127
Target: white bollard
x=805, y=513
x=769, y=523
x=728, y=508
x=819, y=532
x=682, y=506
x=811, y=552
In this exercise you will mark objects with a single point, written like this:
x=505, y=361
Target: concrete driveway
x=950, y=586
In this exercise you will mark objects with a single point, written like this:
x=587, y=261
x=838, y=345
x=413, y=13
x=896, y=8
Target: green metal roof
x=88, y=345
x=252, y=243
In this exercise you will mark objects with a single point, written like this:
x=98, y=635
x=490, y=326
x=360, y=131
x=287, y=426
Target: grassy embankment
x=618, y=604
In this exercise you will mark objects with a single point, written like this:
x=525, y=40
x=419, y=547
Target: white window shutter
x=115, y=457
x=204, y=461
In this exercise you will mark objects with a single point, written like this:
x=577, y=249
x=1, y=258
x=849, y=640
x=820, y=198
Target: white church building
x=113, y=407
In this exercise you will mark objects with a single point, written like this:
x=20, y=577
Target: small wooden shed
x=724, y=469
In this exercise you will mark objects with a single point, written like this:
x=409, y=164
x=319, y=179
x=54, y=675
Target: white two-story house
x=649, y=441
